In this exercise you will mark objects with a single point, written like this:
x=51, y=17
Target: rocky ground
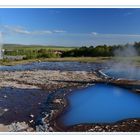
x=56, y=104
x=130, y=125
x=23, y=94
x=33, y=100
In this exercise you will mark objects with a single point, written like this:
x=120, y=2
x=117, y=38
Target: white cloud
x=17, y=29
x=22, y=30
x=94, y=33
x=59, y=31
x=43, y=32
x=1, y=33
x=115, y=35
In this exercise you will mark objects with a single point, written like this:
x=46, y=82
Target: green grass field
x=34, y=47
x=34, y=51
x=30, y=50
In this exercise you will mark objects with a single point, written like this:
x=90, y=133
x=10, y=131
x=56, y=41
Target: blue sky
x=70, y=27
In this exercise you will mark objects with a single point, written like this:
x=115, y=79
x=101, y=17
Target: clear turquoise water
x=101, y=104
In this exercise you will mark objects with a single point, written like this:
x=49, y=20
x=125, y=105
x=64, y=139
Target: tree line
x=84, y=51
x=100, y=50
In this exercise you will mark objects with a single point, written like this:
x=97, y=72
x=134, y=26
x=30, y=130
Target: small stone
x=31, y=121
x=97, y=127
x=101, y=130
x=50, y=129
x=31, y=115
x=135, y=120
x=5, y=96
x=47, y=115
x=115, y=125
x=91, y=130
x=57, y=101
x=5, y=110
x=107, y=127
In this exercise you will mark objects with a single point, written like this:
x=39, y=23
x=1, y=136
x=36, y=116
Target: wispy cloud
x=59, y=31
x=114, y=35
x=17, y=29
x=22, y=30
x=42, y=32
x=94, y=33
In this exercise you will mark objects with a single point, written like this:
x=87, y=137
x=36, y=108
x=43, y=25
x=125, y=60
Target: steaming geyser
x=1, y=50
x=124, y=69
x=123, y=66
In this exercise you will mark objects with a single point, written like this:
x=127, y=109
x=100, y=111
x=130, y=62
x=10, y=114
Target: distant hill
x=22, y=46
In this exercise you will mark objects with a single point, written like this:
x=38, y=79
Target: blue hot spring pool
x=101, y=103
